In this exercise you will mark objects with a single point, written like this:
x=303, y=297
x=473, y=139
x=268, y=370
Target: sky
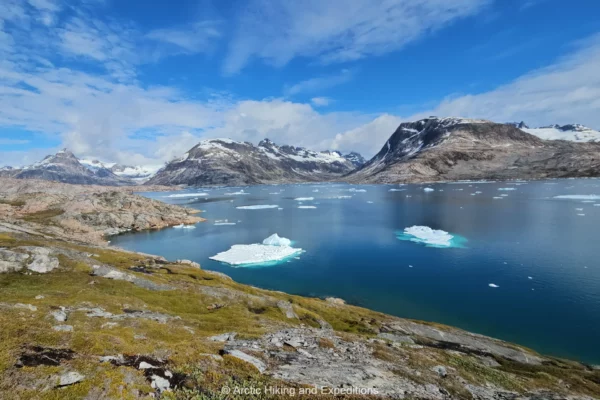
x=141, y=82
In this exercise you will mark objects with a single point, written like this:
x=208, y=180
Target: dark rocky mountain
x=520, y=125
x=446, y=149
x=355, y=158
x=65, y=167
x=227, y=162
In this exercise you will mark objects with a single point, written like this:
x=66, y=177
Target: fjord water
x=352, y=252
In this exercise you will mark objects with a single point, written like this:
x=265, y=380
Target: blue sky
x=141, y=82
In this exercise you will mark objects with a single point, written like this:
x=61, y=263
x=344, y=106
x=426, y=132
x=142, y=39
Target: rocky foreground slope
x=227, y=162
x=84, y=321
x=448, y=149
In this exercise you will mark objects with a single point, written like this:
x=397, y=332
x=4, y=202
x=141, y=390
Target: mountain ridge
x=229, y=162
x=438, y=149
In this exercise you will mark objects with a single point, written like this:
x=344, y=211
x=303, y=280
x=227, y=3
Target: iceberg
x=304, y=198
x=180, y=195
x=396, y=190
x=257, y=207
x=357, y=190
x=429, y=190
x=430, y=237
x=276, y=240
x=493, y=285
x=307, y=207
x=579, y=197
x=272, y=250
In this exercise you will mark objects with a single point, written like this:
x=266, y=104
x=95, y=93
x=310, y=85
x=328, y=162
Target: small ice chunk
x=507, y=189
x=369, y=202
x=396, y=190
x=182, y=226
x=276, y=240
x=224, y=223
x=493, y=285
x=357, y=190
x=304, y=198
x=578, y=197
x=498, y=198
x=529, y=277
x=181, y=195
x=307, y=207
x=581, y=215
x=257, y=207
x=579, y=209
x=427, y=189
x=241, y=192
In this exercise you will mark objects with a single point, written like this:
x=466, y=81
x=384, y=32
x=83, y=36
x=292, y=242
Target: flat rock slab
x=260, y=366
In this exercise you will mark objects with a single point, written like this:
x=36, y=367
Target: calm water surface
x=352, y=252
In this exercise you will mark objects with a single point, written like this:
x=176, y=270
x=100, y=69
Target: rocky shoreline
x=81, y=320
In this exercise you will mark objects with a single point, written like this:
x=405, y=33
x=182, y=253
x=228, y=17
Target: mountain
x=445, y=149
x=135, y=173
x=355, y=158
x=65, y=167
x=227, y=162
x=570, y=132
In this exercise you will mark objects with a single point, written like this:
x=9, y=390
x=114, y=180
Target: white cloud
x=368, y=138
x=7, y=142
x=565, y=92
x=199, y=37
x=336, y=30
x=320, y=83
x=321, y=101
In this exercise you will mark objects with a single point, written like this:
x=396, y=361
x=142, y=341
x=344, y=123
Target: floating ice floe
x=307, y=207
x=258, y=254
x=578, y=197
x=241, y=192
x=304, y=198
x=507, y=189
x=579, y=209
x=182, y=226
x=428, y=189
x=430, y=237
x=181, y=195
x=276, y=240
x=396, y=190
x=370, y=202
x=597, y=205
x=357, y=190
x=493, y=285
x=342, y=197
x=498, y=198
x=581, y=215
x=257, y=207
x=223, y=222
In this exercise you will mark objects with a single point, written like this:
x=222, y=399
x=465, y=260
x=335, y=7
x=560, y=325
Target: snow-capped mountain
x=227, y=162
x=65, y=167
x=436, y=149
x=570, y=132
x=355, y=158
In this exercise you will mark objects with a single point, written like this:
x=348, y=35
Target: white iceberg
x=396, y=190
x=182, y=226
x=257, y=207
x=180, y=195
x=507, y=189
x=429, y=190
x=493, y=285
x=579, y=197
x=424, y=234
x=276, y=240
x=274, y=248
x=304, y=198
x=307, y=207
